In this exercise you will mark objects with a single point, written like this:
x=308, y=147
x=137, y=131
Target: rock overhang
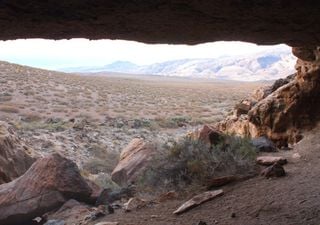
x=296, y=23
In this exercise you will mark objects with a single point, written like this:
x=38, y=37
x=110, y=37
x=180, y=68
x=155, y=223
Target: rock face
x=188, y=22
x=49, y=183
x=15, y=156
x=133, y=161
x=283, y=113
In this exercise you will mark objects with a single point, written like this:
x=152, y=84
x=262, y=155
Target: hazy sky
x=82, y=52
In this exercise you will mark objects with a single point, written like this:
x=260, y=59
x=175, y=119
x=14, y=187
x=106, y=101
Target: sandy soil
x=292, y=200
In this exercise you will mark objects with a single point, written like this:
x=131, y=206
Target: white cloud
x=82, y=52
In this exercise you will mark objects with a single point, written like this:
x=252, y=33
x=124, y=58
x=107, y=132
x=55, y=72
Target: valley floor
x=292, y=200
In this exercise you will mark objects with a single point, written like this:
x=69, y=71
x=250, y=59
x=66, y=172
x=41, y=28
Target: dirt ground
x=291, y=200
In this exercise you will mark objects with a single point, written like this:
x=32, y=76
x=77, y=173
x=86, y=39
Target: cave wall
x=161, y=21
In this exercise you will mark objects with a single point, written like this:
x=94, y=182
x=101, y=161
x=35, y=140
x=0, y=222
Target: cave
x=281, y=115
x=294, y=23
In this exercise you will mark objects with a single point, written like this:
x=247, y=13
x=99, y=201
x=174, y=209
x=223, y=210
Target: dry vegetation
x=28, y=91
x=109, y=110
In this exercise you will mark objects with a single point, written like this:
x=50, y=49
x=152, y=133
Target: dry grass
x=50, y=94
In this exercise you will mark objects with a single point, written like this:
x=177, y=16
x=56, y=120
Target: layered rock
x=15, y=156
x=292, y=107
x=48, y=184
x=133, y=161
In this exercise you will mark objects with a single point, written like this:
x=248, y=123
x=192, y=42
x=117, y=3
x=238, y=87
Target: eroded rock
x=15, y=156
x=47, y=185
x=133, y=161
x=287, y=107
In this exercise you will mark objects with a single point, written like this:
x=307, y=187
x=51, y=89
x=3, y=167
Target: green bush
x=180, y=164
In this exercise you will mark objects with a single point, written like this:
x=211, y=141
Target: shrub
x=187, y=162
x=5, y=97
x=172, y=122
x=9, y=109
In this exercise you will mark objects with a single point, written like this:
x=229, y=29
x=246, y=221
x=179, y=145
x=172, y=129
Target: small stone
x=276, y=170
x=134, y=203
x=296, y=156
x=198, y=200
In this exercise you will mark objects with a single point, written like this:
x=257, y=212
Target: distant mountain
x=267, y=65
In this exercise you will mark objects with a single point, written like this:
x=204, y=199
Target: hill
x=267, y=65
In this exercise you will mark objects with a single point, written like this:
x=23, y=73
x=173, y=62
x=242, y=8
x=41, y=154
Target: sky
x=50, y=54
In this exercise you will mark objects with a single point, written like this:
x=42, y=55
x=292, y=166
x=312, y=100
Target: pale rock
x=198, y=200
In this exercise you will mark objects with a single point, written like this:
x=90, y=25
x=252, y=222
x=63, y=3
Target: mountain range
x=271, y=64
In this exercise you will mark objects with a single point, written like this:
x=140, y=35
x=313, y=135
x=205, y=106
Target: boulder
x=47, y=185
x=270, y=160
x=263, y=144
x=133, y=161
x=209, y=135
x=15, y=156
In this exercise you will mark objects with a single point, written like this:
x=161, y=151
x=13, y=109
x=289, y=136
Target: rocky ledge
x=283, y=110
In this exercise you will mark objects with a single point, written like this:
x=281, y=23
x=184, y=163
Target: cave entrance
x=134, y=89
